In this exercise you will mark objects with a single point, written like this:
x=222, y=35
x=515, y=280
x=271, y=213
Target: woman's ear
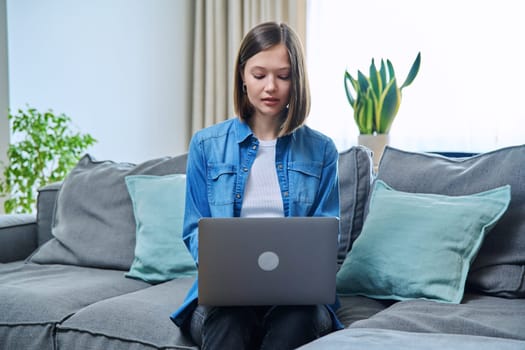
x=243, y=82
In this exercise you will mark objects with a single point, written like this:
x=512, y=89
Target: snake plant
x=378, y=96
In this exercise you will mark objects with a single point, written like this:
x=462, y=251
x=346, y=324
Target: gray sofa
x=73, y=276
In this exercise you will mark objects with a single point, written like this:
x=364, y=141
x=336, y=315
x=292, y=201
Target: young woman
x=265, y=162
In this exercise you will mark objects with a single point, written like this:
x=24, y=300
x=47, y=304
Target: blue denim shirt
x=219, y=160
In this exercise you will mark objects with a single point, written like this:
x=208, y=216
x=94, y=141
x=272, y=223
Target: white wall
x=469, y=91
x=116, y=67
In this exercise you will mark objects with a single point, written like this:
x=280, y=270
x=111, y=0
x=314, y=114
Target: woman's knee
x=219, y=323
x=292, y=326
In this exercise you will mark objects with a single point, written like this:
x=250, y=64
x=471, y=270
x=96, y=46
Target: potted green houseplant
x=48, y=149
x=375, y=100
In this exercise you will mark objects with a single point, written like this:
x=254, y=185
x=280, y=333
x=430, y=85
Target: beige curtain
x=219, y=26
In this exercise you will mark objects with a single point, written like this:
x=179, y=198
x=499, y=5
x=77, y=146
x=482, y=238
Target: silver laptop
x=267, y=261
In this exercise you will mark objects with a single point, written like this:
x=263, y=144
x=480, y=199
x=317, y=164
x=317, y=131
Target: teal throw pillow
x=419, y=246
x=158, y=206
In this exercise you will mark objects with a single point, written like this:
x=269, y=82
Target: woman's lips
x=270, y=101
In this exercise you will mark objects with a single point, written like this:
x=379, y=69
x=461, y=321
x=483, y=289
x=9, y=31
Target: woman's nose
x=270, y=84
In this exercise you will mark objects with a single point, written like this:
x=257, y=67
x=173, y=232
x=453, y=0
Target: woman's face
x=267, y=78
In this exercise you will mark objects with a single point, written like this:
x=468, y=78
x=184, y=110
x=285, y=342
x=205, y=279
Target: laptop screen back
x=267, y=261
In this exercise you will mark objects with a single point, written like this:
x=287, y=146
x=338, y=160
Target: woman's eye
x=258, y=76
x=284, y=77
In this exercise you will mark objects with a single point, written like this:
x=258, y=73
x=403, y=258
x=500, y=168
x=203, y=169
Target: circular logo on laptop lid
x=268, y=261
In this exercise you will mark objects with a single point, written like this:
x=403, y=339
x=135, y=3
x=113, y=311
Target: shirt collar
x=242, y=130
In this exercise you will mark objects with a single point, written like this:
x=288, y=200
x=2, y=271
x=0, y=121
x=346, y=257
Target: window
x=471, y=84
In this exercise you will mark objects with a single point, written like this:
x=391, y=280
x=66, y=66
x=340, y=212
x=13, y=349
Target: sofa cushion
x=158, y=207
x=417, y=245
x=93, y=223
x=35, y=298
x=125, y=321
x=480, y=315
x=499, y=268
x=355, y=177
x=356, y=308
x=381, y=339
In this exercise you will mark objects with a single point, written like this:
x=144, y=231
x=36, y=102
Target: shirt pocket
x=221, y=183
x=304, y=179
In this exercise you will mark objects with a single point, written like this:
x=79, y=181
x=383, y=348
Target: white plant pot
x=376, y=143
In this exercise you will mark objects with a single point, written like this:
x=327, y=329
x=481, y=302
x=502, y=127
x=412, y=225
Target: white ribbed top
x=262, y=195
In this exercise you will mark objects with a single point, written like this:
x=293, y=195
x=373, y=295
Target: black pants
x=260, y=327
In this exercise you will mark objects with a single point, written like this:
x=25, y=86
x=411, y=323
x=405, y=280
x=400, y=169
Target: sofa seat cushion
x=381, y=339
x=138, y=320
x=355, y=308
x=34, y=298
x=476, y=315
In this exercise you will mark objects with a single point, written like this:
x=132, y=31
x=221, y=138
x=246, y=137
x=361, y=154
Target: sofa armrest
x=18, y=236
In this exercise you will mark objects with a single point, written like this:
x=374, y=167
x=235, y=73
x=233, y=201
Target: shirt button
x=245, y=169
x=285, y=194
x=280, y=166
x=254, y=147
x=238, y=196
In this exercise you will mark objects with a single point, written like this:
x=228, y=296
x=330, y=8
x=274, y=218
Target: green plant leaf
x=369, y=116
x=382, y=74
x=46, y=152
x=413, y=71
x=364, y=84
x=391, y=72
x=390, y=102
x=349, y=80
x=377, y=97
x=375, y=79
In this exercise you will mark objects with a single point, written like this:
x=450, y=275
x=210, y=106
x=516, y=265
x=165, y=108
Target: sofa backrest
x=355, y=171
x=47, y=197
x=355, y=177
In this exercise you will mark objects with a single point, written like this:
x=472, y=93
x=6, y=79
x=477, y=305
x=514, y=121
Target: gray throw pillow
x=355, y=177
x=499, y=268
x=93, y=222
